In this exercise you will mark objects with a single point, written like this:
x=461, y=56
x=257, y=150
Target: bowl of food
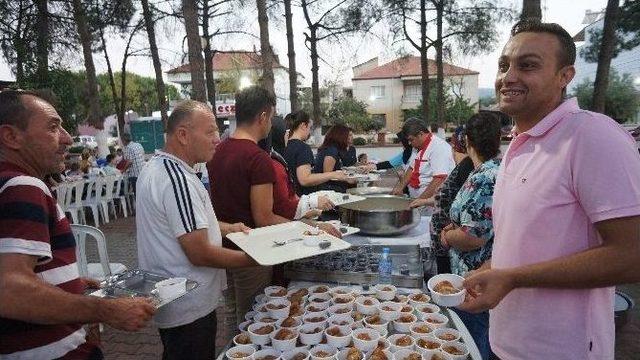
x=407, y=354
x=311, y=334
x=298, y=295
x=341, y=320
x=317, y=307
x=323, y=352
x=380, y=354
x=343, y=290
x=436, y=320
x=403, y=323
x=338, y=336
x=289, y=323
x=259, y=333
x=425, y=309
x=428, y=345
x=420, y=329
x=320, y=298
x=261, y=307
x=264, y=318
x=242, y=339
x=418, y=299
x=241, y=352
x=250, y=315
x=378, y=323
x=350, y=353
x=279, y=308
x=400, y=341
x=389, y=311
x=447, y=289
x=407, y=309
x=447, y=334
x=275, y=292
x=367, y=305
x=385, y=292
x=318, y=289
x=343, y=300
x=313, y=318
x=340, y=309
x=284, y=339
x=400, y=299
x=456, y=350
x=365, y=339
x=295, y=354
x=266, y=354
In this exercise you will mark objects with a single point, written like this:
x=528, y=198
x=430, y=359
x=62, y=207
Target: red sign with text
x=225, y=109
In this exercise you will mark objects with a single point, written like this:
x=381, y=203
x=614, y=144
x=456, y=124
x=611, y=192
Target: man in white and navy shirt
x=179, y=235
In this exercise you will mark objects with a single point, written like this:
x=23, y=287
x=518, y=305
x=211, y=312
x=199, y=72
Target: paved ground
x=146, y=344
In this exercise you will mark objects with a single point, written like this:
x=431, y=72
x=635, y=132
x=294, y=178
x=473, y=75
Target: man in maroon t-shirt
x=42, y=308
x=242, y=178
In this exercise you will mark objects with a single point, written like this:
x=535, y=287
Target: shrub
x=359, y=141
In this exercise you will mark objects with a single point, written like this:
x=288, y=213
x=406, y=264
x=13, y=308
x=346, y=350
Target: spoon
x=285, y=242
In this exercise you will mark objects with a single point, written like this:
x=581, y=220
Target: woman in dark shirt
x=299, y=156
x=328, y=157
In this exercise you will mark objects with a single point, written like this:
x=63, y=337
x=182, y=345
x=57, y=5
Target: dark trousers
x=132, y=183
x=196, y=340
x=478, y=326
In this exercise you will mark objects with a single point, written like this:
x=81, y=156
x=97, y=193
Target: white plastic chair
x=93, y=199
x=118, y=194
x=107, y=197
x=61, y=193
x=129, y=195
x=104, y=268
x=73, y=202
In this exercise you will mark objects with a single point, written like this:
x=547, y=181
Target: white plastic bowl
x=260, y=339
x=436, y=320
x=392, y=343
x=308, y=319
x=294, y=327
x=384, y=343
x=288, y=355
x=367, y=309
x=382, y=328
x=265, y=318
x=414, y=303
x=386, y=352
x=271, y=290
x=385, y=295
x=311, y=339
x=365, y=345
x=417, y=334
x=404, y=327
x=245, y=349
x=425, y=351
x=244, y=325
x=316, y=289
x=294, y=290
x=323, y=306
x=261, y=307
x=237, y=343
x=340, y=309
x=279, y=313
x=320, y=298
x=423, y=310
x=266, y=352
x=460, y=346
x=326, y=348
x=343, y=300
x=403, y=354
x=338, y=341
x=250, y=315
x=343, y=290
x=342, y=354
x=261, y=299
x=443, y=299
x=447, y=334
x=407, y=309
x=340, y=320
x=389, y=315
x=284, y=345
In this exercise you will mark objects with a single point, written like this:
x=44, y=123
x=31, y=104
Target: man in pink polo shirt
x=566, y=211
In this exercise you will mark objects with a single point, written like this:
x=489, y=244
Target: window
x=377, y=92
x=380, y=120
x=412, y=92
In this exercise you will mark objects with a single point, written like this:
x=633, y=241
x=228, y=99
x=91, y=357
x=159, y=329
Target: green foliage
x=622, y=99
x=627, y=35
x=76, y=149
x=350, y=112
x=141, y=93
x=487, y=101
x=359, y=141
x=456, y=109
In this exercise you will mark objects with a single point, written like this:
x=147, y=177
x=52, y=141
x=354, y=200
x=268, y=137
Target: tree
x=291, y=54
x=153, y=47
x=457, y=109
x=604, y=57
x=627, y=34
x=196, y=63
x=266, y=52
x=531, y=10
x=622, y=100
x=350, y=112
x=339, y=18
x=94, y=116
x=42, y=41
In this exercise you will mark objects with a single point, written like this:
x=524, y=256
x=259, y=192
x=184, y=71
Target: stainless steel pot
x=370, y=191
x=380, y=215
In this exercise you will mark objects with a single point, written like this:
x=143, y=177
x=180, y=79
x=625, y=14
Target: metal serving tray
x=138, y=283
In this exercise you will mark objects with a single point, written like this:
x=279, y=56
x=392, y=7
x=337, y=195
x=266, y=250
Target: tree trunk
x=291, y=53
x=157, y=66
x=424, y=61
x=604, y=57
x=190, y=12
x=439, y=66
x=95, y=113
x=315, y=84
x=265, y=47
x=531, y=9
x=42, y=43
x=112, y=84
x=208, y=56
x=19, y=44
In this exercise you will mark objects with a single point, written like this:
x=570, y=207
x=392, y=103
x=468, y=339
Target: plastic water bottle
x=384, y=267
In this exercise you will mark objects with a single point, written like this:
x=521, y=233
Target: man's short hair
x=250, y=102
x=182, y=112
x=414, y=126
x=567, y=55
x=12, y=109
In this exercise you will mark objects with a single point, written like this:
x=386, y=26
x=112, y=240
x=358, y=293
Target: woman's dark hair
x=109, y=158
x=338, y=136
x=407, y=149
x=483, y=134
x=295, y=119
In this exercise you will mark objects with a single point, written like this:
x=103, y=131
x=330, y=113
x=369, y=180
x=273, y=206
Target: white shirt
x=436, y=160
x=134, y=152
x=171, y=202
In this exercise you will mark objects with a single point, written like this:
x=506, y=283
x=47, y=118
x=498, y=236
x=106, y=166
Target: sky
x=338, y=57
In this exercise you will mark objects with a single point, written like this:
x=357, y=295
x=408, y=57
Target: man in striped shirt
x=42, y=309
x=134, y=154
